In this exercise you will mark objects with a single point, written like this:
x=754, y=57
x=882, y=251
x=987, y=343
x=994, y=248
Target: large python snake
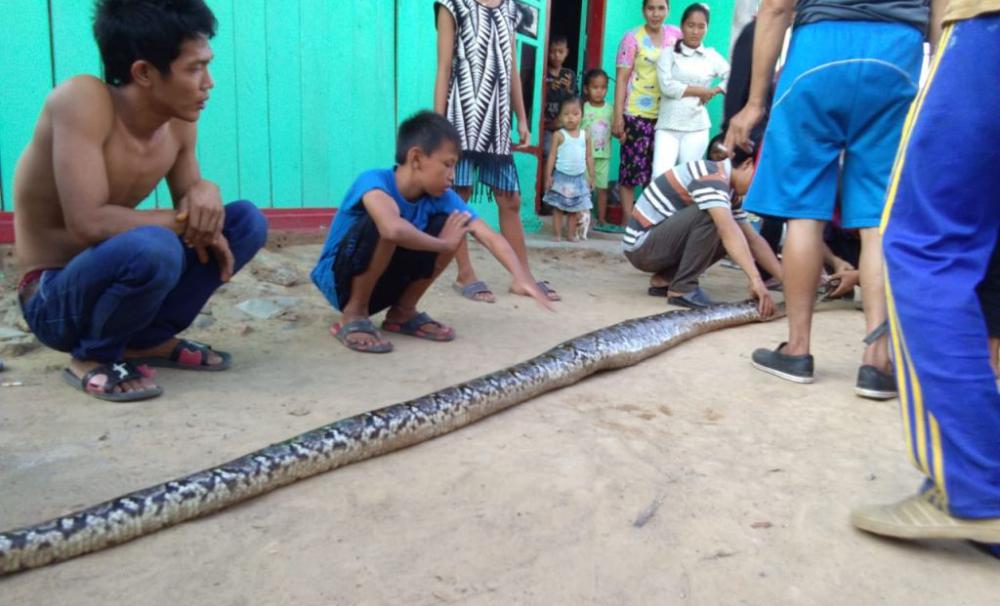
x=356, y=438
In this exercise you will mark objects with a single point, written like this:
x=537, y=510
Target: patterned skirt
x=569, y=193
x=637, y=151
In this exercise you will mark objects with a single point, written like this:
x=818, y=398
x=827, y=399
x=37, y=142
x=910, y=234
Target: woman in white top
x=685, y=77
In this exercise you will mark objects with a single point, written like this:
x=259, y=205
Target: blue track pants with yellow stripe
x=940, y=226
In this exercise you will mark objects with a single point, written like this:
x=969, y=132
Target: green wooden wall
x=308, y=92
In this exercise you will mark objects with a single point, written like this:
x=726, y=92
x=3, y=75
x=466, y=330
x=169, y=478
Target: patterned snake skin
x=356, y=438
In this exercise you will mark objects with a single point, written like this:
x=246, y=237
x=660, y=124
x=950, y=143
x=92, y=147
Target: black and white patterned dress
x=479, y=90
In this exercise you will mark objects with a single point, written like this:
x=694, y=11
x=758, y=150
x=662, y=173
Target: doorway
x=582, y=23
x=568, y=19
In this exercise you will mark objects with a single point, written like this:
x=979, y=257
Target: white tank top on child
x=571, y=157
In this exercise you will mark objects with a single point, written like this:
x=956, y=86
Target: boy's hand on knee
x=454, y=230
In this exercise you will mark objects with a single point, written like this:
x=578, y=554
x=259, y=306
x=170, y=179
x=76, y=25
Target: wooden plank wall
x=304, y=98
x=307, y=94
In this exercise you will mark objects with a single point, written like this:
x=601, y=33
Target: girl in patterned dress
x=477, y=83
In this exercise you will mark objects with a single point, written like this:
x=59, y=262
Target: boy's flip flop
x=188, y=355
x=365, y=326
x=412, y=327
x=117, y=373
x=470, y=290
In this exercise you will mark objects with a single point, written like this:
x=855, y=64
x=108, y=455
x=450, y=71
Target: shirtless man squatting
x=110, y=284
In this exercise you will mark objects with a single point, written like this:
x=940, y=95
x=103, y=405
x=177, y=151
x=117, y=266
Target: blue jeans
x=135, y=290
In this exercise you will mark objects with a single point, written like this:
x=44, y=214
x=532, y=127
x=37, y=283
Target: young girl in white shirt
x=686, y=78
x=569, y=170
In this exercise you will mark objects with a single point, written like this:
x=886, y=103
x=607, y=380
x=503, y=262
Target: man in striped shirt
x=686, y=220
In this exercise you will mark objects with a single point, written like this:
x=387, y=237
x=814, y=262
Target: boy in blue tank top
x=394, y=233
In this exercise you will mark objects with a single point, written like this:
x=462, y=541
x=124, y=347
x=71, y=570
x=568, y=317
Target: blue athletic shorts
x=845, y=88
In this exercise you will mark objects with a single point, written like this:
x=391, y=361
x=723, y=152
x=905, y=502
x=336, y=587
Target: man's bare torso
x=134, y=167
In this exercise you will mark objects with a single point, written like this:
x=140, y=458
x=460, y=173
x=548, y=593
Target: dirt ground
x=749, y=479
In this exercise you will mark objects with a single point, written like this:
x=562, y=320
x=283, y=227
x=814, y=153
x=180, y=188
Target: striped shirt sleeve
x=710, y=188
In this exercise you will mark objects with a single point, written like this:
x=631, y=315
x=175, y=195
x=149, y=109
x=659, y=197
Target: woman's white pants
x=673, y=147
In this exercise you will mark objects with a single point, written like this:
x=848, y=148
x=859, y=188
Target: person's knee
x=509, y=203
x=149, y=254
x=246, y=224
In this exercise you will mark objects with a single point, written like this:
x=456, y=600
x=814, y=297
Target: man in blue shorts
x=941, y=225
x=852, y=71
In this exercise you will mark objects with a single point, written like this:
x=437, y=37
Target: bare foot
x=547, y=290
x=164, y=350
x=97, y=382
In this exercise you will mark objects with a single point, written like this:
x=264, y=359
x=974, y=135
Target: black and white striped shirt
x=702, y=182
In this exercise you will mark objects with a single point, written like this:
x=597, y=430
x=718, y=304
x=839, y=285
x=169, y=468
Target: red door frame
x=596, y=13
x=6, y=228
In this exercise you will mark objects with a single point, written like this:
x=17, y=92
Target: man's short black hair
x=558, y=39
x=740, y=155
x=426, y=131
x=147, y=30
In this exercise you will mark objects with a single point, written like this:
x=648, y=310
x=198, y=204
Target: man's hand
x=535, y=292
x=840, y=265
x=223, y=256
x=843, y=282
x=454, y=230
x=765, y=304
x=590, y=182
x=202, y=208
x=740, y=126
x=548, y=182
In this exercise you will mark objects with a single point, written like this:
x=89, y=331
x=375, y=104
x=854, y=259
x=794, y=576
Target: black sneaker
x=875, y=384
x=798, y=369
